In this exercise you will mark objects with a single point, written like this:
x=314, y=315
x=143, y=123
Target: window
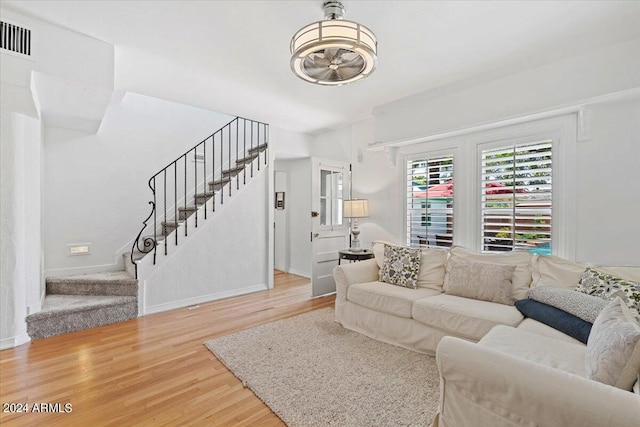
x=430, y=201
x=516, y=197
x=330, y=197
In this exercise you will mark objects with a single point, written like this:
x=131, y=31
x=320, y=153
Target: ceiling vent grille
x=16, y=39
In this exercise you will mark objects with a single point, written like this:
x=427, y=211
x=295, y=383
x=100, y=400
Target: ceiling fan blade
x=328, y=75
x=331, y=53
x=318, y=60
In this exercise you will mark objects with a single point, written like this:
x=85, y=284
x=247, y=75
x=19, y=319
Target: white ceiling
x=233, y=56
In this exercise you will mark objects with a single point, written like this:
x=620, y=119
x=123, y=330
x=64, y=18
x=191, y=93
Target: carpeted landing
x=85, y=301
x=312, y=372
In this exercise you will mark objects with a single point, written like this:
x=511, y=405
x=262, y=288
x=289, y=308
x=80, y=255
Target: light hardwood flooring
x=151, y=371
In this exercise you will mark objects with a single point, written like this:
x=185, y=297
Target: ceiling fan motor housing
x=333, y=51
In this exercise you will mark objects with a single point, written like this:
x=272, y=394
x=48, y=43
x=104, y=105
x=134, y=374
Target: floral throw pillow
x=401, y=266
x=608, y=287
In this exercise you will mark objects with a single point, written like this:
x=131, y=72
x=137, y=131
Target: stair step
x=184, y=213
x=217, y=185
x=169, y=226
x=201, y=198
x=62, y=314
x=258, y=148
x=232, y=172
x=248, y=159
x=113, y=283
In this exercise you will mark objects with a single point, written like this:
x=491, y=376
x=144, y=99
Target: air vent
x=15, y=39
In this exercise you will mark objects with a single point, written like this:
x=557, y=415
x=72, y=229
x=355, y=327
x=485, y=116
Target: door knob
x=314, y=214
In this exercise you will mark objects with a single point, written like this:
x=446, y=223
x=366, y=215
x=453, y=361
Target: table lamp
x=356, y=208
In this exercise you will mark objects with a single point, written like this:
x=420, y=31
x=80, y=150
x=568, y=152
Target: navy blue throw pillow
x=558, y=319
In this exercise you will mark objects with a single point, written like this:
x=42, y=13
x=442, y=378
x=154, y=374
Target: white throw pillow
x=478, y=280
x=521, y=259
x=550, y=270
x=613, y=348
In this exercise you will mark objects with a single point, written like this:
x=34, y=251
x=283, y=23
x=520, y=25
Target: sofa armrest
x=484, y=386
x=352, y=273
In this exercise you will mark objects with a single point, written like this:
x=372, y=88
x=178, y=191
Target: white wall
x=21, y=284
x=469, y=103
x=96, y=185
x=374, y=178
x=608, y=203
x=227, y=256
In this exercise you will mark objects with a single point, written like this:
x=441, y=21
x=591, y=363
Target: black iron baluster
x=213, y=166
x=252, y=147
x=237, y=158
x=222, y=166
x=195, y=182
x=266, y=141
x=229, y=156
x=175, y=195
x=155, y=227
x=164, y=202
x=204, y=174
x=258, y=145
x=244, y=149
x=185, y=194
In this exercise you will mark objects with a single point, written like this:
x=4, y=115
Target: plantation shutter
x=430, y=201
x=516, y=198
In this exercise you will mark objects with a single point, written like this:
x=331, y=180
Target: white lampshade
x=357, y=208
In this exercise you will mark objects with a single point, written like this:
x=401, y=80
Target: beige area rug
x=312, y=372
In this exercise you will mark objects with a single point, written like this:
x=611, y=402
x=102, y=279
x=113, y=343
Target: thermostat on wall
x=74, y=249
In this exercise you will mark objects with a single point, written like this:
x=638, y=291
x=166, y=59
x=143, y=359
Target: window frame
x=466, y=151
x=428, y=155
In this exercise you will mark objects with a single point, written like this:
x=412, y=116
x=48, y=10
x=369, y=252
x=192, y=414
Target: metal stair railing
x=223, y=156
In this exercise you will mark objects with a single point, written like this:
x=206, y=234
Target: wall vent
x=16, y=39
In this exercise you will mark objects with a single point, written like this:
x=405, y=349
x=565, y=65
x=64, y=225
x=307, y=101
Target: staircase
x=186, y=192
x=85, y=301
x=190, y=189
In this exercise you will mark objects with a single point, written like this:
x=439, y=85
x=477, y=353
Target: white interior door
x=329, y=232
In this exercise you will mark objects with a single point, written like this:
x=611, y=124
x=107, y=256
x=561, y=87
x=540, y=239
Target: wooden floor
x=153, y=370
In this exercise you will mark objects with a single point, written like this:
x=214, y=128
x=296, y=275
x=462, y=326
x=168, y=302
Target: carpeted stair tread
x=55, y=305
x=62, y=314
x=113, y=283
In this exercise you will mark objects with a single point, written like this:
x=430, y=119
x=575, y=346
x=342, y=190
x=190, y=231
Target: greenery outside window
x=429, y=199
x=516, y=197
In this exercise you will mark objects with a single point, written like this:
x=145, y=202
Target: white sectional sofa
x=497, y=368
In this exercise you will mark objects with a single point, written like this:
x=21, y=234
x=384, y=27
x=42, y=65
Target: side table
x=355, y=256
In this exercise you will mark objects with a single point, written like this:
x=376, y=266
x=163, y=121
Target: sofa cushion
x=550, y=270
x=521, y=259
x=584, y=306
x=432, y=264
x=537, y=348
x=477, y=280
x=401, y=266
x=464, y=317
x=607, y=286
x=540, y=328
x=613, y=350
x=387, y=298
x=556, y=318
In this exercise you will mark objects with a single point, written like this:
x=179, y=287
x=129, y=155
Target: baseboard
x=14, y=341
x=299, y=273
x=57, y=272
x=202, y=299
